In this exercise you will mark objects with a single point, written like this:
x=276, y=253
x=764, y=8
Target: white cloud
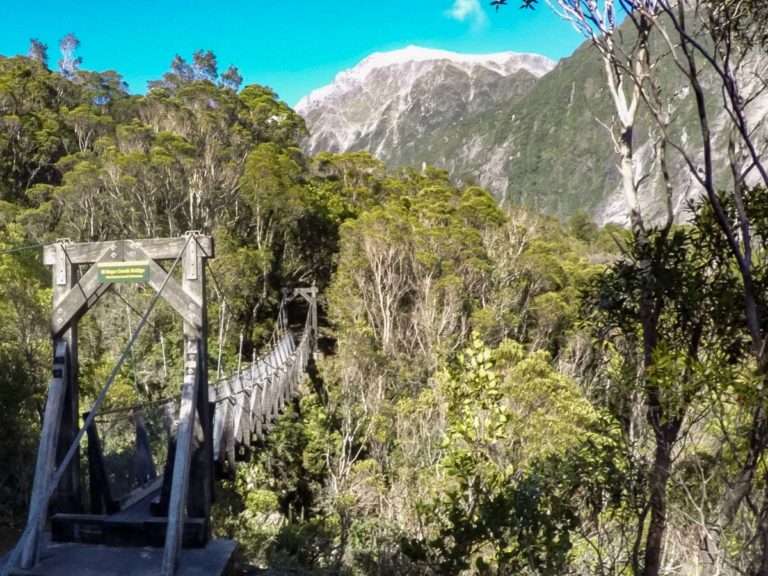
x=468, y=10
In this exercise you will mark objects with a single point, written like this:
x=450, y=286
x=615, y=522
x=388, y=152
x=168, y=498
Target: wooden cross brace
x=71, y=303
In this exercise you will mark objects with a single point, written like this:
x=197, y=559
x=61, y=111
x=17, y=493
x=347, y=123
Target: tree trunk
x=763, y=531
x=666, y=437
x=731, y=501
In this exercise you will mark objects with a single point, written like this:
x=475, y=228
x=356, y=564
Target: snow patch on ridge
x=504, y=63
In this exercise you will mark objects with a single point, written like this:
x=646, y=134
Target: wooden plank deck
x=71, y=559
x=135, y=526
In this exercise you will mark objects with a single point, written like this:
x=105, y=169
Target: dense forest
x=500, y=392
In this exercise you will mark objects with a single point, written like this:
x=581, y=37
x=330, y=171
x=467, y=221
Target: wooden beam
x=140, y=493
x=77, y=301
x=69, y=496
x=220, y=417
x=145, y=463
x=224, y=390
x=154, y=248
x=100, y=492
x=178, y=299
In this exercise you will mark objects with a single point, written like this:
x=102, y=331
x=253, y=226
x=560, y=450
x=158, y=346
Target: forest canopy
x=498, y=392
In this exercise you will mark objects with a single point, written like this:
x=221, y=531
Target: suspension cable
x=20, y=249
x=34, y=523
x=223, y=329
x=133, y=308
x=148, y=404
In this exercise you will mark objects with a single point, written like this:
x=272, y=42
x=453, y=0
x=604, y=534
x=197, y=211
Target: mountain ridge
x=391, y=98
x=539, y=141
x=507, y=62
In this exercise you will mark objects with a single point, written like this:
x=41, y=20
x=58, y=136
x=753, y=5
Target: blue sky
x=291, y=46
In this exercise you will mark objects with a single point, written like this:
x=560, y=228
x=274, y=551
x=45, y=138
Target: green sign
x=133, y=271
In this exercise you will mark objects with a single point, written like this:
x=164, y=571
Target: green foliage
x=482, y=407
x=582, y=226
x=80, y=158
x=24, y=355
x=496, y=513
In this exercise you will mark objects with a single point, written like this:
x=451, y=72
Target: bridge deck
x=134, y=526
x=69, y=559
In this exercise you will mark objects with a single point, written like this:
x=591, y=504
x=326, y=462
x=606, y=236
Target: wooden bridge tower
x=82, y=273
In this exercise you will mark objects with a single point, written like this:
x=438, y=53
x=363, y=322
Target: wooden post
x=64, y=278
x=182, y=458
x=46, y=455
x=202, y=471
x=313, y=303
x=310, y=295
x=193, y=466
x=145, y=463
x=100, y=491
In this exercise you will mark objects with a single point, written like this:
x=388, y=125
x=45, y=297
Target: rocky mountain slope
x=393, y=101
x=529, y=131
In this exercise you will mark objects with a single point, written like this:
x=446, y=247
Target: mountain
x=392, y=101
x=530, y=131
x=545, y=148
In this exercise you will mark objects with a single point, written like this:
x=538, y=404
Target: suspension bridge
x=142, y=504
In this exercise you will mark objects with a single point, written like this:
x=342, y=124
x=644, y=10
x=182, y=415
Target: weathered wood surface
x=154, y=248
x=67, y=559
x=248, y=402
x=182, y=460
x=46, y=455
x=98, y=480
x=72, y=300
x=245, y=407
x=188, y=307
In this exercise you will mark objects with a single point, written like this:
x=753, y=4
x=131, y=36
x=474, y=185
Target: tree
x=582, y=226
x=231, y=78
x=102, y=88
x=495, y=512
x=269, y=119
x=69, y=64
x=708, y=40
x=24, y=345
x=204, y=66
x=38, y=51
x=181, y=73
x=33, y=135
x=628, y=66
x=722, y=41
x=182, y=69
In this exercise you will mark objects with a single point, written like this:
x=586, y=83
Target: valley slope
x=530, y=131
